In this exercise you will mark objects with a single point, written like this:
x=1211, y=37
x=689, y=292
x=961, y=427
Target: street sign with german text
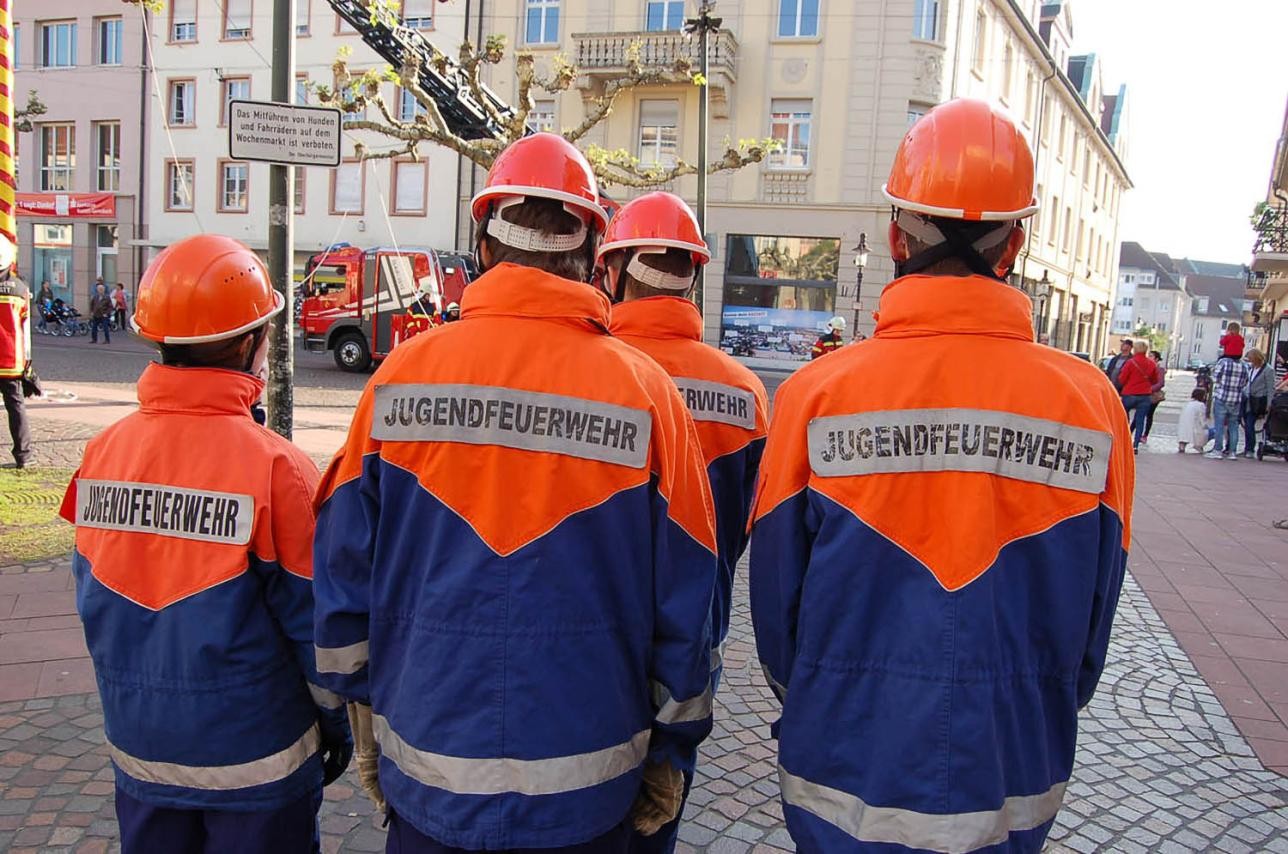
x=284, y=133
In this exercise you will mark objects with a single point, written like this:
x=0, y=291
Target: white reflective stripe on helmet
x=928, y=233
x=530, y=239
x=653, y=277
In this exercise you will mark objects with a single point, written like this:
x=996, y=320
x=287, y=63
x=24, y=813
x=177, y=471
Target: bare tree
x=23, y=115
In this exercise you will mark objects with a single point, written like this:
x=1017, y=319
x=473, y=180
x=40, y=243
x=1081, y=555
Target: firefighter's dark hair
x=228, y=354
x=546, y=215
x=676, y=261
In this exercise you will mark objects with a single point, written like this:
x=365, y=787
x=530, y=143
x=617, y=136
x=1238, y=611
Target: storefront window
x=52, y=259
x=779, y=293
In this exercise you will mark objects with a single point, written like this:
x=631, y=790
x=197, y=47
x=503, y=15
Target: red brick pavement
x=42, y=648
x=1208, y=557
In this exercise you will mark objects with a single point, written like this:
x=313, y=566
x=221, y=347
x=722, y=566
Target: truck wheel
x=352, y=353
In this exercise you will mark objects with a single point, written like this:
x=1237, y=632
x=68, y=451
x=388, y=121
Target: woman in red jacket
x=1138, y=381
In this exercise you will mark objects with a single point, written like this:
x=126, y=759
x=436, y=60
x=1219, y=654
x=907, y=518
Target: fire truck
x=361, y=303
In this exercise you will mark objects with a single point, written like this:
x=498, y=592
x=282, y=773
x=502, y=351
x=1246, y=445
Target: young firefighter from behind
x=516, y=554
x=937, y=550
x=650, y=255
x=193, y=579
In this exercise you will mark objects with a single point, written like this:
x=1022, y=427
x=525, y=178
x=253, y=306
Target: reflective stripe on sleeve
x=672, y=711
x=257, y=772
x=341, y=659
x=324, y=698
x=949, y=832
x=501, y=775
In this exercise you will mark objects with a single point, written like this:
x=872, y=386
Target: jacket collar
x=509, y=290
x=954, y=305
x=658, y=317
x=214, y=391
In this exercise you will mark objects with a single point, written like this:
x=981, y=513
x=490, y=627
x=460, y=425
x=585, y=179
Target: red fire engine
x=360, y=303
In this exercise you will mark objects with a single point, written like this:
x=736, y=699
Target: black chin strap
x=959, y=244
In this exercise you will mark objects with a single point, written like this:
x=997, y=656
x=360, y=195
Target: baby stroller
x=68, y=319
x=1274, y=434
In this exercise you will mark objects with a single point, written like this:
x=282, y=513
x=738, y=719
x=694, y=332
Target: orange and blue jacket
x=940, y=535
x=730, y=410
x=515, y=558
x=194, y=583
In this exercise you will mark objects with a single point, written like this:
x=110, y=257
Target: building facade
x=208, y=53
x=837, y=84
x=1268, y=278
x=1150, y=296
x=1215, y=303
x=80, y=168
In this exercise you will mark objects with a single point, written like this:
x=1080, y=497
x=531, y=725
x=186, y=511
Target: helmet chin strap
x=654, y=277
x=530, y=239
x=948, y=239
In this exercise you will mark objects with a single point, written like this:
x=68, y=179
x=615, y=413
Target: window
x=1046, y=120
x=302, y=16
x=925, y=20
x=1082, y=247
x=343, y=28
x=1008, y=71
x=411, y=183
x=1073, y=155
x=408, y=107
x=183, y=20
x=237, y=17
x=182, y=108
x=659, y=133
x=542, y=116
x=1059, y=148
x=58, y=45
x=915, y=112
x=1086, y=166
x=235, y=89
x=178, y=184
x=797, y=18
x=790, y=125
x=1030, y=97
x=1066, y=243
x=418, y=14
x=980, y=51
x=107, y=157
x=664, y=15
x=301, y=88
x=1053, y=224
x=300, y=173
x=234, y=186
x=17, y=45
x=543, y=22
x=348, y=184
x=110, y=31
x=57, y=157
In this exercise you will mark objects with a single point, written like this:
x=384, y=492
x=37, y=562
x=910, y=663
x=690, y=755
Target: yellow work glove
x=660, y=798
x=366, y=754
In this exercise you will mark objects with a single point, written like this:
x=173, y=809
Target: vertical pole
x=704, y=105
x=281, y=238
x=8, y=223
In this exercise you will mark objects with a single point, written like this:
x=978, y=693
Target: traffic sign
x=284, y=133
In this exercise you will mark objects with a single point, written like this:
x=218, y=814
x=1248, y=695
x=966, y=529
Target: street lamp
x=1042, y=290
x=860, y=261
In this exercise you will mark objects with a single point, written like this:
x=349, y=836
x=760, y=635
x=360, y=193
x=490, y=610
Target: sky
x=1206, y=87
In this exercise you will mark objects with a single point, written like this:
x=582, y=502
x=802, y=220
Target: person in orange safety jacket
x=516, y=554
x=193, y=579
x=937, y=550
x=650, y=255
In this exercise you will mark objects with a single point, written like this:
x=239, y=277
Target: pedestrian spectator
x=1261, y=387
x=193, y=568
x=933, y=604
x=1138, y=379
x=1193, y=429
x=452, y=313
x=120, y=306
x=1116, y=363
x=1044, y=339
x=15, y=352
x=1232, y=342
x=519, y=604
x=1229, y=380
x=100, y=314
x=829, y=340
x=1158, y=396
x=44, y=304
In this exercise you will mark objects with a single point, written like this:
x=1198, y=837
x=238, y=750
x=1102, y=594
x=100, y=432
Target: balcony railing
x=607, y=52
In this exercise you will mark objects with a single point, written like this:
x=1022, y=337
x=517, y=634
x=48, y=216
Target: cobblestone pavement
x=1161, y=767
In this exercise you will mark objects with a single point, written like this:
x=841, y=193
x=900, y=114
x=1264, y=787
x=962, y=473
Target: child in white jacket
x=1193, y=428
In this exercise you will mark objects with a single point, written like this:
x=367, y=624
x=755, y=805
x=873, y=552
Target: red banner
x=68, y=205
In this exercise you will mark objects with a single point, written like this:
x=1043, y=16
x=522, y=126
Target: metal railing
x=603, y=51
x=1272, y=231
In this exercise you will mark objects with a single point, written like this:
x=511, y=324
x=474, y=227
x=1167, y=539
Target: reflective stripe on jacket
x=825, y=344
x=15, y=327
x=730, y=410
x=515, y=562
x=936, y=558
x=193, y=581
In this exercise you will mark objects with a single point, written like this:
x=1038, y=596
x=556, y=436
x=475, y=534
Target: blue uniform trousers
x=405, y=839
x=148, y=829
